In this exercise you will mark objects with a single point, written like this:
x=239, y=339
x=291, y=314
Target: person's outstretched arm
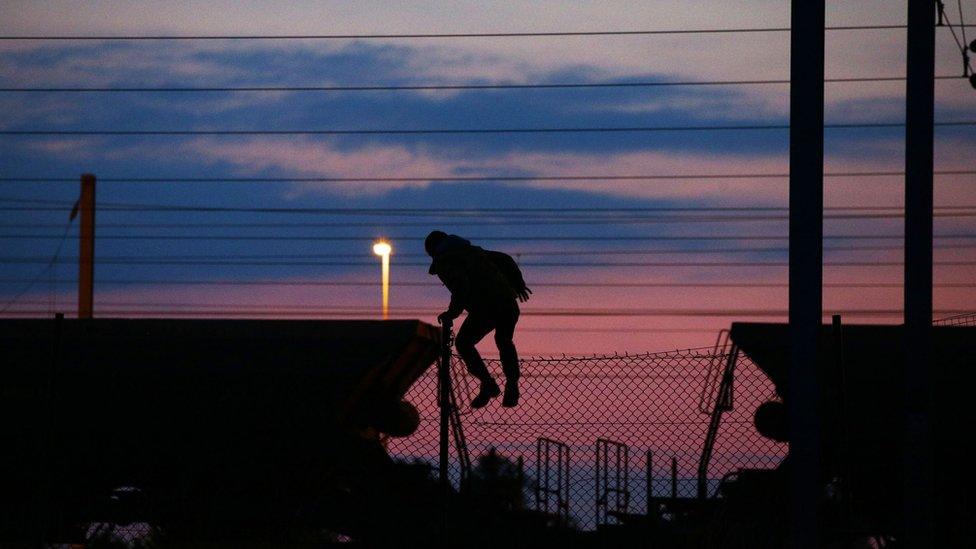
x=456, y=280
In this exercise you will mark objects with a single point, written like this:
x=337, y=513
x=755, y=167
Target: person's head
x=432, y=240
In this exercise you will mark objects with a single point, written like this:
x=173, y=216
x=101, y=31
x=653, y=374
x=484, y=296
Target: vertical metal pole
x=842, y=425
x=86, y=247
x=444, y=402
x=920, y=96
x=538, y=475
x=47, y=510
x=649, y=488
x=559, y=476
x=674, y=478
x=599, y=476
x=565, y=478
x=806, y=264
x=626, y=469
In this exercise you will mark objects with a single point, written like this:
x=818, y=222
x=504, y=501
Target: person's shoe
x=489, y=390
x=511, y=398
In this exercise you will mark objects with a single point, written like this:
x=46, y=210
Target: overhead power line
x=319, y=263
x=474, y=131
x=428, y=35
x=167, y=309
x=49, y=262
x=540, y=284
x=486, y=178
x=443, y=87
x=532, y=253
x=389, y=224
x=559, y=238
x=56, y=205
x=608, y=220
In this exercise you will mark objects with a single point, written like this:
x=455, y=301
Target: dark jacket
x=475, y=282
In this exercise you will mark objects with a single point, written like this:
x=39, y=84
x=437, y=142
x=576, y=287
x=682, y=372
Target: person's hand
x=446, y=316
x=523, y=294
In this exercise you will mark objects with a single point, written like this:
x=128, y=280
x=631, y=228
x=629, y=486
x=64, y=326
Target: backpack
x=510, y=269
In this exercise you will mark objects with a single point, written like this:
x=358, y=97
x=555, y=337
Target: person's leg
x=473, y=330
x=504, y=335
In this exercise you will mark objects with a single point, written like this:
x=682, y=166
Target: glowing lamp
x=383, y=249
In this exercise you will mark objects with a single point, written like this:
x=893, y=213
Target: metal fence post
x=649, y=487
x=45, y=509
x=674, y=478
x=444, y=403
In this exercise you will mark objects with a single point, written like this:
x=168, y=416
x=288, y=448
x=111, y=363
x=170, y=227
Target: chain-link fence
x=594, y=438
x=968, y=319
x=644, y=409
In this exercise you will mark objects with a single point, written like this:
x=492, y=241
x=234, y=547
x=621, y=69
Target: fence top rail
x=694, y=352
x=956, y=320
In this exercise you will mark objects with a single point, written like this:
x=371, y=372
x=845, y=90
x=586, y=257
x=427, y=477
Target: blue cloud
x=357, y=63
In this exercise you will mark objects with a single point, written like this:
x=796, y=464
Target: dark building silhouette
x=227, y=429
x=862, y=405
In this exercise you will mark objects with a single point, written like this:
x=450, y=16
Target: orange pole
x=86, y=247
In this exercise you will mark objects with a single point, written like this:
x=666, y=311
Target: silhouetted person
x=489, y=286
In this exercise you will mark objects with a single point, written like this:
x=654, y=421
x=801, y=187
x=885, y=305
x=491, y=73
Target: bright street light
x=383, y=249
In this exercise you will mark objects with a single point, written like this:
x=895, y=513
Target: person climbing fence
x=489, y=286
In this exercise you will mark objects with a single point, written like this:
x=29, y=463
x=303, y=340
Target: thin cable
x=483, y=238
x=493, y=210
x=543, y=284
x=525, y=253
x=475, y=131
x=615, y=221
x=646, y=220
x=968, y=69
x=434, y=87
x=955, y=38
x=963, y=46
x=489, y=178
x=658, y=264
x=962, y=23
x=357, y=311
x=443, y=212
x=444, y=35
x=47, y=267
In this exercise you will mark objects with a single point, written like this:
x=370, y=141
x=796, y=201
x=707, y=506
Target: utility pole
x=806, y=265
x=86, y=247
x=917, y=456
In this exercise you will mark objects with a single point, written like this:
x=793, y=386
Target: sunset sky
x=629, y=228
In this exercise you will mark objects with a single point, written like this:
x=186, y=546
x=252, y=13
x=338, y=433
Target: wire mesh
x=648, y=402
x=968, y=319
